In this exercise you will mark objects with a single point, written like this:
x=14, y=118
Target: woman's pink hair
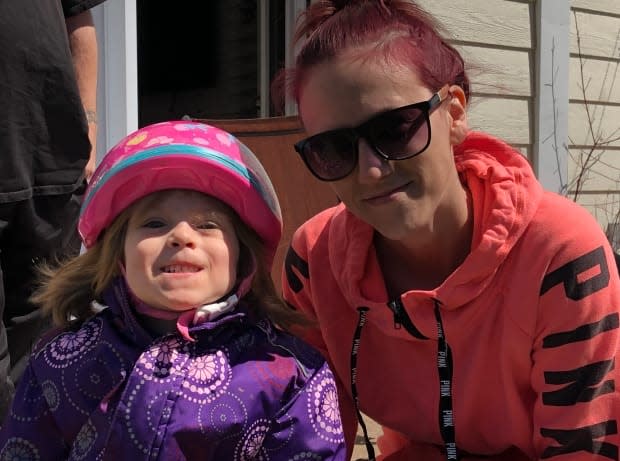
x=398, y=31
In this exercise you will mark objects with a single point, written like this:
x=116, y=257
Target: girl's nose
x=371, y=166
x=182, y=235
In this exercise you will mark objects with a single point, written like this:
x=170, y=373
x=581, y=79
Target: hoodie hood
x=505, y=196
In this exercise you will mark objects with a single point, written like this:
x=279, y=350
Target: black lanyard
x=446, y=415
x=354, y=351
x=444, y=366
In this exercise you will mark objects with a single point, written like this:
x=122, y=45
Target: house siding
x=594, y=109
x=495, y=38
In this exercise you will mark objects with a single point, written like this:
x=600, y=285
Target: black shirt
x=44, y=142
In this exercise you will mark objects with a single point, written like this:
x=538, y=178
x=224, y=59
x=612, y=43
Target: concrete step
x=374, y=431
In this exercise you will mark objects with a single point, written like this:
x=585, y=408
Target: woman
x=469, y=312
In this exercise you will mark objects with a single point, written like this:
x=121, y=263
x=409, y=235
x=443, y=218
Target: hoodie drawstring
x=354, y=350
x=444, y=365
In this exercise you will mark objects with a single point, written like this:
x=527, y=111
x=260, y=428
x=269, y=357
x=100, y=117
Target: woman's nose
x=182, y=235
x=371, y=166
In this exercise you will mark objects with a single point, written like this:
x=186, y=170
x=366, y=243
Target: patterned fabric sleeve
x=29, y=431
x=577, y=340
x=309, y=426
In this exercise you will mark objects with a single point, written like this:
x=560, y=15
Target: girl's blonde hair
x=67, y=290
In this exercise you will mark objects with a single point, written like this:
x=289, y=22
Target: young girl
x=181, y=224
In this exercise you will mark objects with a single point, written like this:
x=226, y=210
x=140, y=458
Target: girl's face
x=401, y=199
x=181, y=250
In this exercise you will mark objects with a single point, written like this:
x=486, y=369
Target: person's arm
x=83, y=43
x=7, y=390
x=577, y=341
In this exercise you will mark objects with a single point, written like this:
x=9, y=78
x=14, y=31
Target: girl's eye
x=207, y=225
x=153, y=224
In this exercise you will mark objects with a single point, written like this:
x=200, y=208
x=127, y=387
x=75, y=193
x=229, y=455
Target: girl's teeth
x=180, y=268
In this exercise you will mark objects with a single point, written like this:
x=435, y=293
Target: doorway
x=209, y=61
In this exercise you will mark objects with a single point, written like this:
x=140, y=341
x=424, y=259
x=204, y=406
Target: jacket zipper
x=401, y=319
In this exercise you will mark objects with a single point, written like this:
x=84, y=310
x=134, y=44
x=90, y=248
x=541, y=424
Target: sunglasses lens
x=396, y=135
x=401, y=133
x=330, y=155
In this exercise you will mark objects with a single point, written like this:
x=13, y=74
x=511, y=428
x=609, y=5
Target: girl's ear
x=458, y=113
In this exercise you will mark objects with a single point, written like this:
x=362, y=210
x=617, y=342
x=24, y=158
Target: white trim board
x=117, y=95
x=550, y=149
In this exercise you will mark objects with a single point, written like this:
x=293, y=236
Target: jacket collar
x=120, y=301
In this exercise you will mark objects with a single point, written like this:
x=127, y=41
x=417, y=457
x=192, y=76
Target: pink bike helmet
x=182, y=155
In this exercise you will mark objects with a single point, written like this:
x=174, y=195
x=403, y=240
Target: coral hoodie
x=512, y=357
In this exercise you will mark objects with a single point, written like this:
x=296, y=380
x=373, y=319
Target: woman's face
x=400, y=198
x=181, y=250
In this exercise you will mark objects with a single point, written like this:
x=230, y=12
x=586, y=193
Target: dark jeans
x=31, y=231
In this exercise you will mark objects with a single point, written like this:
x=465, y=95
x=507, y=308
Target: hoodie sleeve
x=297, y=291
x=29, y=430
x=576, y=343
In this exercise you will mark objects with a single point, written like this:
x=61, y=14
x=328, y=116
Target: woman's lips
x=387, y=196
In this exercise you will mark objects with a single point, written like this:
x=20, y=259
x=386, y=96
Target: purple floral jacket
x=110, y=391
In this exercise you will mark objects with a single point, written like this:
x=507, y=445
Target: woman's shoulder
x=563, y=230
x=559, y=217
x=318, y=225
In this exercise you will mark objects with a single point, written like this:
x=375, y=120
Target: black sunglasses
x=396, y=134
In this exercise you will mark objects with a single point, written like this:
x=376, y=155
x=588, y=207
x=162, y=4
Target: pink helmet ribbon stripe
x=176, y=149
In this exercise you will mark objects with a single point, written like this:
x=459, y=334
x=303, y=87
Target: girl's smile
x=181, y=268
x=181, y=250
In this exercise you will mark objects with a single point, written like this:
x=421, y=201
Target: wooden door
x=301, y=195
